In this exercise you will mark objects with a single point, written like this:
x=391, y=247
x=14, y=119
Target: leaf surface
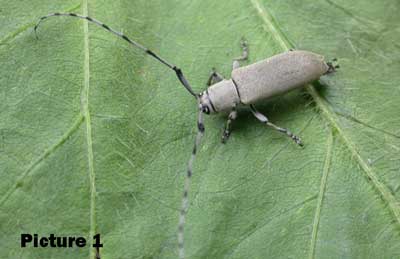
x=95, y=136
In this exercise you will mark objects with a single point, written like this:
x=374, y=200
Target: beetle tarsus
x=225, y=136
x=297, y=140
x=331, y=66
x=227, y=130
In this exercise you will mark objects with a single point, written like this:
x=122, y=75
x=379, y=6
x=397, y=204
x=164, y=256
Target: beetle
x=262, y=80
x=248, y=85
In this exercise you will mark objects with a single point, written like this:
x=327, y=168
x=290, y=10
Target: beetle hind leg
x=261, y=117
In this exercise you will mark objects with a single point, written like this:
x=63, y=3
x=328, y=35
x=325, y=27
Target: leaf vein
x=89, y=140
x=42, y=157
x=26, y=26
x=354, y=119
x=321, y=195
x=259, y=227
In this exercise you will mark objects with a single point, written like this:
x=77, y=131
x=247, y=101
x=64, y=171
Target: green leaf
x=95, y=136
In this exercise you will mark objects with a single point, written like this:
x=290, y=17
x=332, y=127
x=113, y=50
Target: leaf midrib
x=89, y=141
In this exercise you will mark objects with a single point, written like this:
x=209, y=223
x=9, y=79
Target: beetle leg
x=215, y=77
x=244, y=56
x=261, y=117
x=227, y=130
x=331, y=67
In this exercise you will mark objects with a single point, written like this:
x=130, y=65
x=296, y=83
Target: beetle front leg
x=215, y=77
x=227, y=130
x=261, y=117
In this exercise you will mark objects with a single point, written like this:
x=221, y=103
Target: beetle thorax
x=220, y=97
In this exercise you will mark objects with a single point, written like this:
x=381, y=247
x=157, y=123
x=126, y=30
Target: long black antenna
x=189, y=172
x=177, y=70
x=200, y=124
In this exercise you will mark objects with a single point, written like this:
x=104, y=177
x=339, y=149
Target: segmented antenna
x=177, y=70
x=185, y=199
x=200, y=124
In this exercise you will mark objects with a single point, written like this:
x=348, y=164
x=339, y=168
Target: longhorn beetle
x=256, y=82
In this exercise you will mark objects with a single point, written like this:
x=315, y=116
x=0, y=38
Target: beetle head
x=206, y=104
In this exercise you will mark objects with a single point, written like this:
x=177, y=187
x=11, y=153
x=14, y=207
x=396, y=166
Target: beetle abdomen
x=278, y=74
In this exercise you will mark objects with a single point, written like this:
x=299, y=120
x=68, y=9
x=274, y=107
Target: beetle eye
x=205, y=109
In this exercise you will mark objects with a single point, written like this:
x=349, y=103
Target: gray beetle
x=248, y=85
x=260, y=81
